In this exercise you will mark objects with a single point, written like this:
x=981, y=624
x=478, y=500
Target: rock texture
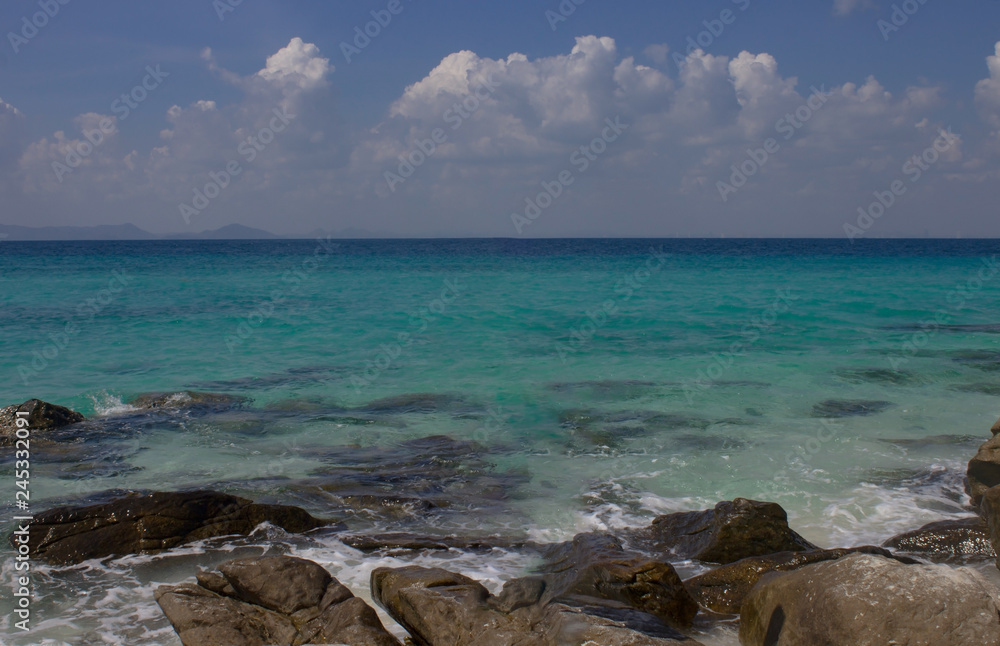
x=151, y=523
x=187, y=399
x=440, y=608
x=984, y=470
x=732, y=531
x=596, y=566
x=947, y=540
x=42, y=416
x=996, y=428
x=867, y=599
x=724, y=589
x=268, y=601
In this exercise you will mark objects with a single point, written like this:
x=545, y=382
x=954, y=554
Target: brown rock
x=984, y=470
x=152, y=523
x=42, y=416
x=732, y=531
x=867, y=599
x=440, y=608
x=596, y=566
x=996, y=427
x=947, y=540
x=300, y=603
x=724, y=589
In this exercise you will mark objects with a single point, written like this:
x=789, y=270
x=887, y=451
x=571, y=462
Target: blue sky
x=332, y=167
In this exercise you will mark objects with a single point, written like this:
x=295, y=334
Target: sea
x=526, y=389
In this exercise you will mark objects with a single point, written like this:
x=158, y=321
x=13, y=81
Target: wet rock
x=268, y=601
x=186, y=400
x=867, y=599
x=441, y=608
x=401, y=541
x=152, y=523
x=724, y=589
x=597, y=566
x=989, y=507
x=947, y=540
x=849, y=408
x=42, y=416
x=984, y=470
x=730, y=532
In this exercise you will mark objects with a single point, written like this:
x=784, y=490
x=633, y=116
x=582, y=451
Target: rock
x=441, y=608
x=984, y=470
x=990, y=509
x=849, y=408
x=732, y=531
x=152, y=523
x=996, y=427
x=404, y=541
x=415, y=403
x=271, y=600
x=867, y=599
x=947, y=540
x=596, y=566
x=187, y=399
x=42, y=416
x=724, y=589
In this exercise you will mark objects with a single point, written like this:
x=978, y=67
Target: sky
x=736, y=118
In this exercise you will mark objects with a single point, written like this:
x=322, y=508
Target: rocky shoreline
x=604, y=588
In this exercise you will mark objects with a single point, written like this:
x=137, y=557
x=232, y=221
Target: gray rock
x=42, y=416
x=152, y=523
x=441, y=608
x=867, y=599
x=947, y=540
x=187, y=399
x=996, y=427
x=268, y=601
x=732, y=531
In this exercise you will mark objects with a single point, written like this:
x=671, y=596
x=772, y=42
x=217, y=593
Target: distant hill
x=126, y=232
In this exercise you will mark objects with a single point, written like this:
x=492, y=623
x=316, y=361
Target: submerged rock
x=880, y=376
x=867, y=599
x=724, y=589
x=270, y=601
x=152, y=523
x=984, y=470
x=730, y=532
x=187, y=399
x=849, y=408
x=947, y=540
x=983, y=388
x=415, y=403
x=42, y=416
x=441, y=608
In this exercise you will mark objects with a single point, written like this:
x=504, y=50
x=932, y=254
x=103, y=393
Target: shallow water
x=566, y=389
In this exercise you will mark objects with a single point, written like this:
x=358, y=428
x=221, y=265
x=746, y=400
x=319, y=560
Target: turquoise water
x=602, y=382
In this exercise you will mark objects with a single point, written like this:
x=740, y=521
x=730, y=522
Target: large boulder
x=990, y=508
x=984, y=470
x=269, y=601
x=596, y=566
x=441, y=608
x=152, y=523
x=732, y=531
x=724, y=589
x=947, y=540
x=42, y=416
x=868, y=599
